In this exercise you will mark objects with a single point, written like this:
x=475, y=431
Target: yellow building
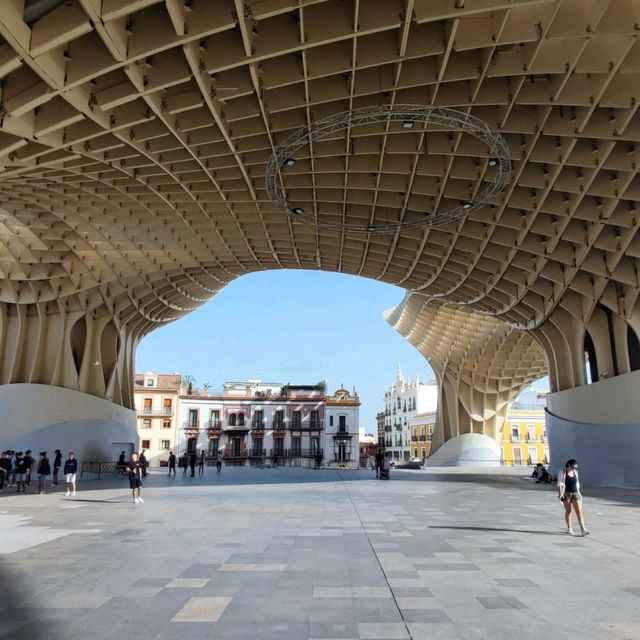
x=524, y=437
x=421, y=433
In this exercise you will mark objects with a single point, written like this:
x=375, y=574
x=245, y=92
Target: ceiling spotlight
x=407, y=124
x=371, y=228
x=297, y=210
x=289, y=162
x=466, y=205
x=492, y=162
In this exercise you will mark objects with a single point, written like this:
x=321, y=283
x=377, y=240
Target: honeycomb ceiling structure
x=135, y=137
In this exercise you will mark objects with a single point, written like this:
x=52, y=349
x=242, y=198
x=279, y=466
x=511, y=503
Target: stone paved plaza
x=297, y=554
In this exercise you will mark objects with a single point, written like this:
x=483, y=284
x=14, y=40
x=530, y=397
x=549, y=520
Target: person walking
x=569, y=494
x=135, y=469
x=172, y=463
x=379, y=463
x=44, y=470
x=122, y=461
x=28, y=460
x=201, y=461
x=5, y=469
x=193, y=459
x=184, y=463
x=70, y=470
x=143, y=463
x=57, y=463
x=21, y=473
x=219, y=459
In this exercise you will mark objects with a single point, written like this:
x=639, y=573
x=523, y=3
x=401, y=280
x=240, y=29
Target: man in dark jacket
x=172, y=463
x=21, y=472
x=57, y=463
x=28, y=460
x=5, y=469
x=193, y=459
x=379, y=463
x=134, y=470
x=70, y=470
x=44, y=469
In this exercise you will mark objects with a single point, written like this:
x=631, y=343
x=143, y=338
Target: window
x=258, y=419
x=232, y=420
x=256, y=447
x=148, y=402
x=517, y=455
x=149, y=382
x=145, y=444
x=165, y=444
x=315, y=419
x=241, y=419
x=278, y=446
x=167, y=409
x=431, y=430
x=214, y=418
x=342, y=425
x=278, y=419
x=297, y=420
x=399, y=404
x=296, y=449
x=193, y=418
x=331, y=421
x=315, y=445
x=166, y=424
x=146, y=423
x=533, y=455
x=213, y=446
x=515, y=433
x=531, y=433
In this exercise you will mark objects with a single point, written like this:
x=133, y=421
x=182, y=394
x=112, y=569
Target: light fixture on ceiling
x=371, y=228
x=493, y=162
x=289, y=162
x=467, y=205
x=297, y=210
x=407, y=124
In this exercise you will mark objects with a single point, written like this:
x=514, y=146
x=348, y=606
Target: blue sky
x=291, y=326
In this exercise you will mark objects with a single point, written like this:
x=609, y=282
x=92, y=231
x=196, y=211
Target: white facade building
x=403, y=400
x=253, y=422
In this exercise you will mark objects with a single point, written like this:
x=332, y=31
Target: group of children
x=16, y=469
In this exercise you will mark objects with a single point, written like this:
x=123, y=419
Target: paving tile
x=501, y=603
x=352, y=592
x=382, y=631
x=202, y=609
x=187, y=583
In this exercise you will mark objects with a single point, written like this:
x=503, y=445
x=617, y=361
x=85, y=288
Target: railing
x=214, y=424
x=147, y=411
x=191, y=426
x=235, y=453
x=91, y=466
x=167, y=411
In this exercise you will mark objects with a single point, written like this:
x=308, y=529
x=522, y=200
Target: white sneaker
x=570, y=531
x=136, y=500
x=140, y=500
x=68, y=493
x=585, y=532
x=74, y=493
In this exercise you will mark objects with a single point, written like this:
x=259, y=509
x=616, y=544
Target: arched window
x=232, y=420
x=633, y=345
x=241, y=419
x=590, y=361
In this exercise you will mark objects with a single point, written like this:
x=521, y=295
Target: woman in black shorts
x=569, y=494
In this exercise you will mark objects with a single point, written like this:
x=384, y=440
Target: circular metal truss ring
x=442, y=116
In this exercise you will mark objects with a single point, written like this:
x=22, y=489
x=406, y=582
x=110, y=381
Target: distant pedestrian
x=44, y=470
x=172, y=463
x=193, y=459
x=219, y=458
x=21, y=473
x=569, y=494
x=122, y=461
x=28, y=460
x=57, y=463
x=201, y=461
x=143, y=463
x=184, y=463
x=275, y=460
x=5, y=470
x=70, y=471
x=379, y=463
x=134, y=469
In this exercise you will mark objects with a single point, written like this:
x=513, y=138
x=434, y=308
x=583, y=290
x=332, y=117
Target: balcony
x=167, y=411
x=213, y=425
x=155, y=411
x=235, y=453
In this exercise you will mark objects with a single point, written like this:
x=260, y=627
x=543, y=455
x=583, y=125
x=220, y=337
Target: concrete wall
x=598, y=425
x=44, y=418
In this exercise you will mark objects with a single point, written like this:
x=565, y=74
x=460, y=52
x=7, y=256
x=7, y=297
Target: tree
x=189, y=382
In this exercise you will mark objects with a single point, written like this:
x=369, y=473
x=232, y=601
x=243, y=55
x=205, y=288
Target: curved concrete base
x=466, y=450
x=607, y=454
x=598, y=425
x=44, y=418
